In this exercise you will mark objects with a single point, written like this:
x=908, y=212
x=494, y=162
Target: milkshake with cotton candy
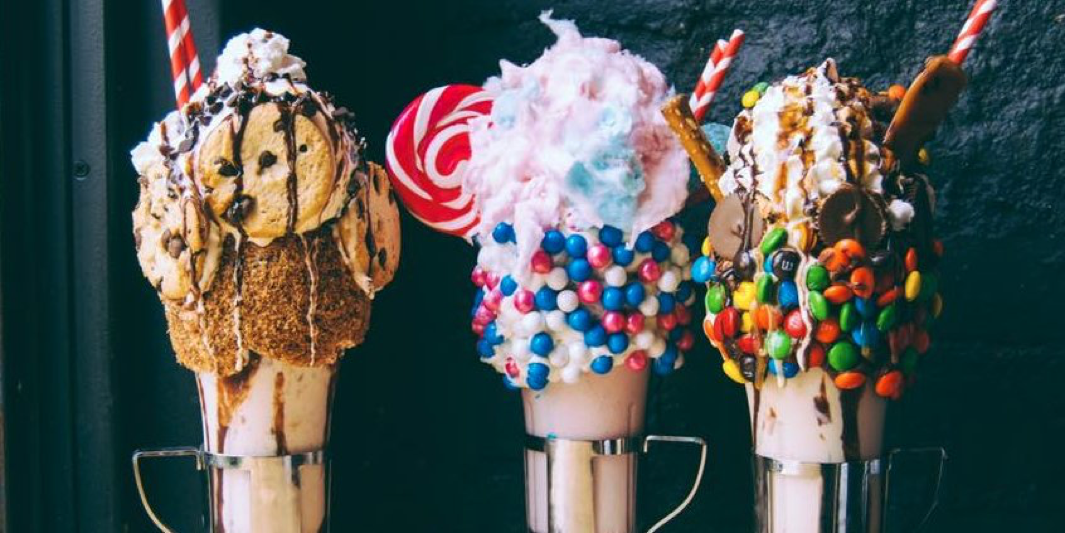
x=266, y=235
x=582, y=278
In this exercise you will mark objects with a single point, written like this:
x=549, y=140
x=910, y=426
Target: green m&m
x=773, y=240
x=818, y=306
x=778, y=344
x=715, y=299
x=843, y=356
x=765, y=289
x=848, y=316
x=817, y=278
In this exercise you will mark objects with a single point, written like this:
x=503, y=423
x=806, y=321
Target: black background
x=425, y=437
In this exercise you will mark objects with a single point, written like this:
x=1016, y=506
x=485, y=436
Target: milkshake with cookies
x=266, y=235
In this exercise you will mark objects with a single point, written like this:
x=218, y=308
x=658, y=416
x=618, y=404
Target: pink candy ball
x=686, y=341
x=524, y=301
x=491, y=279
x=483, y=316
x=512, y=368
x=649, y=271
x=634, y=323
x=477, y=276
x=683, y=314
x=664, y=230
x=637, y=360
x=613, y=321
x=589, y=291
x=667, y=322
x=493, y=299
x=477, y=328
x=541, y=262
x=599, y=256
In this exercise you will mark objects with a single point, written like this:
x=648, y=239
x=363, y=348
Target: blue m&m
x=610, y=236
x=703, y=269
x=788, y=294
x=541, y=344
x=503, y=233
x=576, y=245
x=553, y=242
x=602, y=364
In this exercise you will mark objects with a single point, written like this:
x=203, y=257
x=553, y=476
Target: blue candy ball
x=546, y=299
x=602, y=364
x=509, y=383
x=644, y=242
x=507, y=285
x=617, y=343
x=610, y=236
x=866, y=335
x=580, y=319
x=541, y=344
x=579, y=270
x=539, y=370
x=485, y=348
x=477, y=297
x=492, y=335
x=503, y=233
x=576, y=245
x=596, y=336
x=788, y=294
x=613, y=299
x=664, y=365
x=665, y=303
x=553, y=242
x=790, y=369
x=684, y=291
x=675, y=334
x=623, y=256
x=634, y=294
x=660, y=251
x=703, y=269
x=536, y=383
x=866, y=307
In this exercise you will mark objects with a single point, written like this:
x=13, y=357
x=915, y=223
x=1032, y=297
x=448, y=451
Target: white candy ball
x=557, y=278
x=519, y=349
x=615, y=276
x=559, y=357
x=644, y=339
x=571, y=374
x=669, y=280
x=649, y=306
x=532, y=323
x=680, y=254
x=567, y=301
x=658, y=347
x=556, y=321
x=578, y=352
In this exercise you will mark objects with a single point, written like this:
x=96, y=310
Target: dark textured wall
x=426, y=438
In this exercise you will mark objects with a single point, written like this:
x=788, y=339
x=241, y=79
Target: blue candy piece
x=503, y=233
x=790, y=369
x=665, y=303
x=617, y=343
x=613, y=299
x=644, y=242
x=866, y=307
x=660, y=251
x=703, y=269
x=553, y=242
x=536, y=383
x=546, y=299
x=634, y=293
x=576, y=245
x=664, y=364
x=602, y=364
x=507, y=285
x=492, y=335
x=767, y=265
x=539, y=370
x=788, y=294
x=596, y=336
x=623, y=256
x=684, y=291
x=610, y=236
x=541, y=344
x=579, y=270
x=477, y=297
x=675, y=334
x=510, y=385
x=580, y=319
x=485, y=348
x=717, y=134
x=866, y=335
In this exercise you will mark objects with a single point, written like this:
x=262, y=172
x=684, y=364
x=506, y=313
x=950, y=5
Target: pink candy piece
x=477, y=328
x=477, y=276
x=599, y=256
x=493, y=299
x=524, y=301
x=637, y=360
x=683, y=314
x=483, y=316
x=589, y=291
x=664, y=230
x=667, y=322
x=491, y=279
x=426, y=153
x=613, y=321
x=634, y=323
x=541, y=262
x=512, y=368
x=686, y=341
x=649, y=271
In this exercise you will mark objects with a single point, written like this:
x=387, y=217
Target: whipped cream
x=260, y=54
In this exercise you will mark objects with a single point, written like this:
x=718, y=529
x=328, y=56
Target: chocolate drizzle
x=279, y=413
x=288, y=125
x=849, y=401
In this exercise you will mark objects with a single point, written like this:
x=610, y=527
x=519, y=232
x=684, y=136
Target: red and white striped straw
x=978, y=18
x=184, y=60
x=708, y=85
x=708, y=71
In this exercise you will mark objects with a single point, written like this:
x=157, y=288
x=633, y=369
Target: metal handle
x=698, y=475
x=163, y=453
x=939, y=480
